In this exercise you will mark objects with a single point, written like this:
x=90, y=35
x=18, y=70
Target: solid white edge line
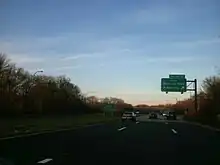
x=45, y=161
x=120, y=129
x=174, y=131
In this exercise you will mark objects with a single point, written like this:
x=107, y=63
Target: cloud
x=64, y=51
x=125, y=51
x=150, y=59
x=165, y=13
x=102, y=65
x=24, y=59
x=154, y=16
x=63, y=42
x=52, y=52
x=68, y=67
x=32, y=63
x=53, y=65
x=151, y=15
x=79, y=56
x=171, y=59
x=196, y=43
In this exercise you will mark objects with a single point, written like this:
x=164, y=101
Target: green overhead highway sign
x=178, y=83
x=176, y=76
x=173, y=85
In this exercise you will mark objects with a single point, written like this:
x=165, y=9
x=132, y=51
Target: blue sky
x=118, y=48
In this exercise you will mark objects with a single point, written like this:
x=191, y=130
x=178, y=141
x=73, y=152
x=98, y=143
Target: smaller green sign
x=177, y=76
x=109, y=108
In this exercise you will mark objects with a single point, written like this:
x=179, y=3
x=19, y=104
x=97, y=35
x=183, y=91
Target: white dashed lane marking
x=121, y=129
x=174, y=131
x=137, y=122
x=45, y=161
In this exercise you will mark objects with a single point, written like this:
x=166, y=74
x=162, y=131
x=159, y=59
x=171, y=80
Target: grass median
x=18, y=126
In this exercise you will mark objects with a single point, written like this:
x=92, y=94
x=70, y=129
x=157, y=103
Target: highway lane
x=145, y=142
x=29, y=150
x=202, y=145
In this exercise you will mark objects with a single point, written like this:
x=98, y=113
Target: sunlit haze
x=117, y=48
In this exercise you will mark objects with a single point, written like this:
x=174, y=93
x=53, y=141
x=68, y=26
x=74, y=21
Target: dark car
x=171, y=115
x=129, y=116
x=153, y=116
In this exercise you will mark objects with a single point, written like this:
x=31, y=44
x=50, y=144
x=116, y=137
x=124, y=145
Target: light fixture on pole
x=39, y=71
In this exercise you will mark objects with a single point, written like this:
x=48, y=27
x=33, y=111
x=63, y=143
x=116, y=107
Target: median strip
x=121, y=129
x=174, y=131
x=45, y=161
x=49, y=131
x=29, y=126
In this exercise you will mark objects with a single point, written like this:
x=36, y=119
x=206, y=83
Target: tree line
x=22, y=93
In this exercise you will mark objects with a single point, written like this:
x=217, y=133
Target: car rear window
x=128, y=113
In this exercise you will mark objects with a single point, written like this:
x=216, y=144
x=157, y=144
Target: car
x=137, y=113
x=129, y=116
x=165, y=114
x=171, y=115
x=153, y=116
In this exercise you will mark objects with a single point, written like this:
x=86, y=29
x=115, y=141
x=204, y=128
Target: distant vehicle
x=129, y=116
x=137, y=113
x=153, y=116
x=165, y=114
x=171, y=115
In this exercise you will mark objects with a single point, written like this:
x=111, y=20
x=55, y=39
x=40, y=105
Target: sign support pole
x=196, y=99
x=195, y=91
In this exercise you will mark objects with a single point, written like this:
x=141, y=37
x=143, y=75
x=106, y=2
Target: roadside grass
x=210, y=121
x=17, y=126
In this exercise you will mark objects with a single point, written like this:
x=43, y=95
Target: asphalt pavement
x=143, y=142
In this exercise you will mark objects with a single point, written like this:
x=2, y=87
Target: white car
x=129, y=116
x=137, y=113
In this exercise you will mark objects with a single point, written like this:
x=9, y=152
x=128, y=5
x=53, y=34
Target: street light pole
x=39, y=71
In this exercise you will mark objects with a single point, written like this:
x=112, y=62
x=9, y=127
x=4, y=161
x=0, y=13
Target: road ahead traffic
x=141, y=142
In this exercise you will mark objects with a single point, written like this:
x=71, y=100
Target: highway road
x=142, y=142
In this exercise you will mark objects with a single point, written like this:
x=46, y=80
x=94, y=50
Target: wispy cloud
x=68, y=67
x=63, y=42
x=52, y=64
x=154, y=16
x=51, y=52
x=79, y=56
x=150, y=59
x=24, y=59
x=196, y=43
x=170, y=59
x=151, y=15
x=114, y=50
